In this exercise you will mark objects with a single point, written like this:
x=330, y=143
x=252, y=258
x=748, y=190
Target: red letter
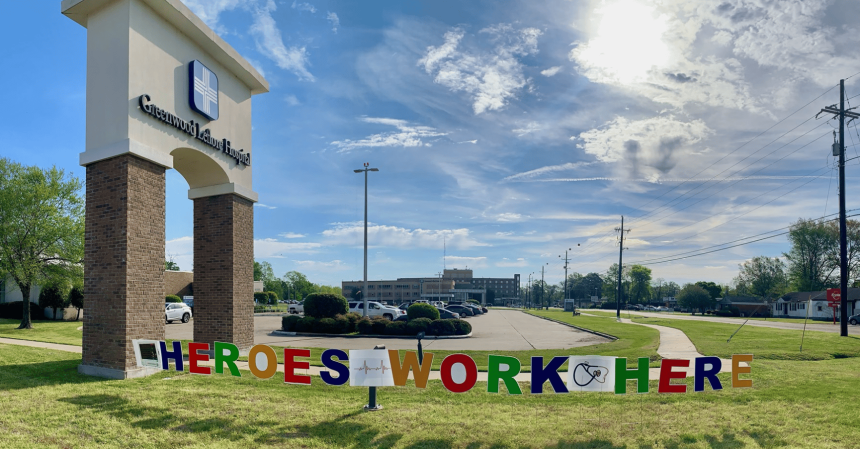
x=666, y=376
x=194, y=357
x=290, y=365
x=471, y=373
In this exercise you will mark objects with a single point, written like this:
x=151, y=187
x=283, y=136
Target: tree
x=694, y=297
x=591, y=285
x=762, y=276
x=41, y=227
x=258, y=271
x=76, y=299
x=170, y=265
x=51, y=296
x=299, y=284
x=813, y=261
x=640, y=284
x=713, y=289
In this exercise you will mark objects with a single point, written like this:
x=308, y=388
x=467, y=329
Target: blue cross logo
x=203, y=90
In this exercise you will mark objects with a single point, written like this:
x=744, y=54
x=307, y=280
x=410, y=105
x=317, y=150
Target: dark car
x=854, y=320
x=462, y=310
x=475, y=308
x=447, y=314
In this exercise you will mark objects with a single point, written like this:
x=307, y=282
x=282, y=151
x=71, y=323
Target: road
x=496, y=330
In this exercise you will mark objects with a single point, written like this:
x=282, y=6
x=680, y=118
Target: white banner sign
x=591, y=373
x=370, y=368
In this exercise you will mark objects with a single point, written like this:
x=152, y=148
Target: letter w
x=401, y=372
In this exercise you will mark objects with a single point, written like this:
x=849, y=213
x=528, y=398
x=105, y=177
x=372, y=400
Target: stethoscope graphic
x=599, y=373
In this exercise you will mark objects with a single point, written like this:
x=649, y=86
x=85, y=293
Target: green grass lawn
x=764, y=343
x=63, y=332
x=46, y=403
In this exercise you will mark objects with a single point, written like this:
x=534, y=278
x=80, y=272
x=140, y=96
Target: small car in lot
x=376, y=309
x=174, y=311
x=854, y=320
x=461, y=309
x=447, y=314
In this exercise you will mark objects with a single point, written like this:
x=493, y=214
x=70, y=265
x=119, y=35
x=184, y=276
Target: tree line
x=292, y=286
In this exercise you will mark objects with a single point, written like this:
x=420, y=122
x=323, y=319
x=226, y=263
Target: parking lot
x=498, y=329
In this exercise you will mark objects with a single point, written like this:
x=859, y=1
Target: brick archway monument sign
x=163, y=91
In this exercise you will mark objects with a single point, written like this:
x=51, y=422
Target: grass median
x=47, y=403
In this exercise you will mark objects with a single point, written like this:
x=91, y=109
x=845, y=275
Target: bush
x=343, y=324
x=379, y=325
x=396, y=328
x=731, y=311
x=417, y=325
x=461, y=327
x=306, y=324
x=288, y=323
x=608, y=306
x=272, y=297
x=421, y=310
x=353, y=319
x=261, y=297
x=364, y=326
x=15, y=310
x=172, y=298
x=441, y=327
x=52, y=297
x=325, y=305
x=259, y=309
x=327, y=326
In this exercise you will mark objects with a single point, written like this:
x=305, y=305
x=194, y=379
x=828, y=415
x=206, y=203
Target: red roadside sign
x=833, y=296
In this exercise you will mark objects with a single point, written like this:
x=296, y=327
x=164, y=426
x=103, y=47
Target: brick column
x=224, y=270
x=123, y=264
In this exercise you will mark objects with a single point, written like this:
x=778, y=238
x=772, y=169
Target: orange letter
x=271, y=361
x=420, y=372
x=738, y=369
x=290, y=365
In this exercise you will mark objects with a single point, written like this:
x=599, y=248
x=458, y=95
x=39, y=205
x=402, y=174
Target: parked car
x=446, y=314
x=854, y=320
x=296, y=309
x=177, y=311
x=476, y=308
x=461, y=309
x=376, y=309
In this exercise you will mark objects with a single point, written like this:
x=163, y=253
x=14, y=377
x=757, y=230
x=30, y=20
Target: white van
x=376, y=309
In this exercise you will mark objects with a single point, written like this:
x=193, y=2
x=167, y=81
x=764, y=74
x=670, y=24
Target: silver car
x=177, y=311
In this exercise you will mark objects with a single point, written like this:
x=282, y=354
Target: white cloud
x=291, y=235
x=491, y=78
x=270, y=43
x=466, y=262
x=552, y=71
x=548, y=169
x=181, y=251
x=396, y=237
x=473, y=142
x=504, y=234
x=648, y=148
x=292, y=100
x=265, y=206
x=304, y=7
x=406, y=136
x=209, y=10
x=274, y=249
x=509, y=216
x=528, y=129
x=334, y=20
x=316, y=265
x=505, y=262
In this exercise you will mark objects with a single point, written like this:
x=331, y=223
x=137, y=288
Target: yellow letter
x=738, y=369
x=410, y=362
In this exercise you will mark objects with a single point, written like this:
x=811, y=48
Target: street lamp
x=365, y=170
x=529, y=292
x=542, y=284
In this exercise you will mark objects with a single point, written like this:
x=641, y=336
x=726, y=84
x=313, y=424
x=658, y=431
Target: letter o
x=471, y=373
x=271, y=361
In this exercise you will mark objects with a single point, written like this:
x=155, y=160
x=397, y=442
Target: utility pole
x=542, y=286
x=529, y=292
x=843, y=240
x=565, y=272
x=620, y=265
x=364, y=293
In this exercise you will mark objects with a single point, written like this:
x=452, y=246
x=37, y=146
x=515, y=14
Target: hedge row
x=15, y=310
x=353, y=322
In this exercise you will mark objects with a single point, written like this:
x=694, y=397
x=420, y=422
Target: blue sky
x=509, y=131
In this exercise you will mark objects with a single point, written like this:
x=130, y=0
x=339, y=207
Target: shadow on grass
x=16, y=377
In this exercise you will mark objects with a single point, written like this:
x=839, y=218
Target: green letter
x=622, y=375
x=232, y=353
x=494, y=374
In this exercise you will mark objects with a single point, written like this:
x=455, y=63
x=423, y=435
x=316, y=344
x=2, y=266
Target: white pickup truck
x=296, y=309
x=376, y=309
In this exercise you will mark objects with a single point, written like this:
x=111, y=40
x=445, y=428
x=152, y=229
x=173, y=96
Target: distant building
x=453, y=285
x=795, y=305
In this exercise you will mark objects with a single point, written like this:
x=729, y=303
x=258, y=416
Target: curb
x=402, y=337
x=600, y=334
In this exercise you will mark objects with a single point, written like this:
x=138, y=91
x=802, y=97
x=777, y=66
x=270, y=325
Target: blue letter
x=342, y=371
x=711, y=374
x=550, y=373
x=175, y=355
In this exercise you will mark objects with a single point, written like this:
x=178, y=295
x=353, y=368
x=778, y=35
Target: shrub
x=378, y=325
x=396, y=328
x=261, y=297
x=353, y=319
x=327, y=326
x=15, y=310
x=731, y=311
x=364, y=326
x=343, y=325
x=474, y=301
x=53, y=298
x=461, y=327
x=288, y=323
x=608, y=306
x=421, y=310
x=259, y=309
x=306, y=324
x=441, y=327
x=417, y=325
x=172, y=298
x=272, y=297
x=325, y=305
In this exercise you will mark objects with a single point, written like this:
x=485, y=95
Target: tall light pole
x=529, y=292
x=565, y=272
x=364, y=295
x=542, y=284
